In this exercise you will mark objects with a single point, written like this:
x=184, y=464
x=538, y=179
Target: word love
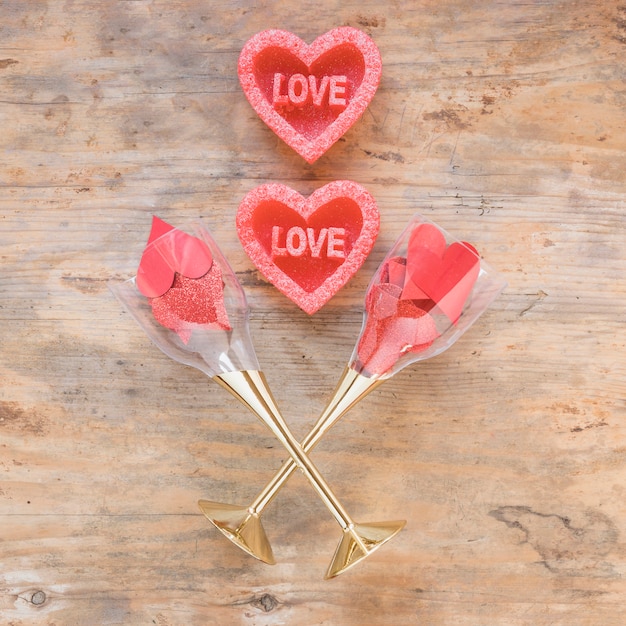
x=296, y=241
x=300, y=90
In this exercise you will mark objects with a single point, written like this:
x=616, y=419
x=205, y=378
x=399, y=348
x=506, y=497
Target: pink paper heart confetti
x=441, y=273
x=165, y=256
x=402, y=305
x=184, y=285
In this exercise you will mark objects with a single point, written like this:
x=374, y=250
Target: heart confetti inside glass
x=187, y=299
x=426, y=293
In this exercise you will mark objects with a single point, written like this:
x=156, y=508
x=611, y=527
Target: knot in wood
x=266, y=603
x=39, y=597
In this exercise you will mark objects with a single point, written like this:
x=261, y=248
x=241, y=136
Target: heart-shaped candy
x=444, y=274
x=308, y=248
x=169, y=251
x=310, y=95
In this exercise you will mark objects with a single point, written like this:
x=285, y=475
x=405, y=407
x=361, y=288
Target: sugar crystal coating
x=184, y=285
x=192, y=302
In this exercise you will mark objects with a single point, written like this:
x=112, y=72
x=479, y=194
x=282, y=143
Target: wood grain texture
x=504, y=123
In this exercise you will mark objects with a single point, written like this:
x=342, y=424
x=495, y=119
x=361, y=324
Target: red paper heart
x=169, y=251
x=310, y=95
x=443, y=274
x=308, y=248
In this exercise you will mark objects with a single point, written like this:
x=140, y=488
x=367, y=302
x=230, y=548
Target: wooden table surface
x=504, y=122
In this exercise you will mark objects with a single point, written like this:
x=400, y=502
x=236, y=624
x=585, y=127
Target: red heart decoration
x=444, y=274
x=310, y=95
x=192, y=301
x=169, y=251
x=392, y=330
x=308, y=248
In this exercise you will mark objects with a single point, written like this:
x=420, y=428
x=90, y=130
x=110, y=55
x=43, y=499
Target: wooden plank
x=504, y=123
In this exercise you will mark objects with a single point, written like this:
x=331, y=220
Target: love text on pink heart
x=327, y=243
x=310, y=95
x=299, y=90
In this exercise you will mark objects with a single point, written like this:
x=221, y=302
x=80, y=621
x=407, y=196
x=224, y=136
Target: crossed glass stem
x=242, y=525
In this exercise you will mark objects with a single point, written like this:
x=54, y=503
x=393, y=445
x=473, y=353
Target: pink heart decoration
x=392, y=330
x=308, y=248
x=192, y=301
x=310, y=95
x=433, y=277
x=165, y=256
x=441, y=273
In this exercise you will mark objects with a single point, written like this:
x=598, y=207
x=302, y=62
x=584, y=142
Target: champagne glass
x=187, y=299
x=426, y=293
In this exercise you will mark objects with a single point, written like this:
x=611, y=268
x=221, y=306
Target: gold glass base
x=360, y=541
x=242, y=526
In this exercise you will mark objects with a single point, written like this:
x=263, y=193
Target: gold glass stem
x=251, y=388
x=350, y=389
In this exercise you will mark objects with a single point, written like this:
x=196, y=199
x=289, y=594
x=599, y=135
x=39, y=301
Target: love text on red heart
x=328, y=242
x=310, y=95
x=299, y=90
